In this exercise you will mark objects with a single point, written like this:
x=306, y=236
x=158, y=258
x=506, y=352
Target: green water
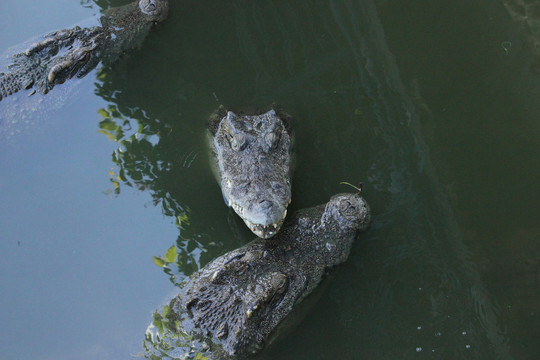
x=432, y=105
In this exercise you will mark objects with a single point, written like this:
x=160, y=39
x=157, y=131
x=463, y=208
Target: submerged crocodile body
x=64, y=54
x=252, y=158
x=237, y=301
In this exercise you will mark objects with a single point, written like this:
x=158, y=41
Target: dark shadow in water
x=414, y=289
x=482, y=133
x=411, y=288
x=527, y=15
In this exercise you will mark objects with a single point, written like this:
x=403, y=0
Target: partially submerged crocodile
x=64, y=54
x=238, y=300
x=252, y=158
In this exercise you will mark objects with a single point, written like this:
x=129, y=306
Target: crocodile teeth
x=251, y=309
x=215, y=276
x=238, y=209
x=262, y=231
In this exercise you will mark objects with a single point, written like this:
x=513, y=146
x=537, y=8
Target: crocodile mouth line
x=262, y=231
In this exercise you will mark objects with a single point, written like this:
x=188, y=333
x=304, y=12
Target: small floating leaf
x=359, y=189
x=159, y=261
x=109, y=125
x=170, y=255
x=109, y=136
x=104, y=113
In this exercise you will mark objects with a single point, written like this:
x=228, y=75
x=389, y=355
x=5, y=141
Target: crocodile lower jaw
x=262, y=231
x=265, y=231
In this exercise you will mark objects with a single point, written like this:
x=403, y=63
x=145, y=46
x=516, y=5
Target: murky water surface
x=432, y=105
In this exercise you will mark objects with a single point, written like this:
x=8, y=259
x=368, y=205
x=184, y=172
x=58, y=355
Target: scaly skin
x=64, y=54
x=237, y=301
x=252, y=158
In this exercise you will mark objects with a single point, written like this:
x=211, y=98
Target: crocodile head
x=346, y=212
x=252, y=155
x=239, y=300
x=157, y=10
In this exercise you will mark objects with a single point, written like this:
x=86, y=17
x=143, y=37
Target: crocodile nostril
x=265, y=204
x=243, y=187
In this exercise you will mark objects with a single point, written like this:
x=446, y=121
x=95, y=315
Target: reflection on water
x=152, y=157
x=418, y=283
x=420, y=292
x=416, y=288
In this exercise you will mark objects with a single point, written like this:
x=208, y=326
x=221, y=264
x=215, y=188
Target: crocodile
x=252, y=157
x=66, y=53
x=236, y=302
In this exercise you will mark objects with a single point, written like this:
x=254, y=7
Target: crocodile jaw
x=264, y=231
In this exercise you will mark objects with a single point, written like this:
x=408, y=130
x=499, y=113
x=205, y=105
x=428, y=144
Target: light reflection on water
x=413, y=285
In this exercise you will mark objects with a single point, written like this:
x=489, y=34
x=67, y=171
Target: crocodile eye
x=347, y=206
x=279, y=282
x=271, y=139
x=238, y=142
x=148, y=6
